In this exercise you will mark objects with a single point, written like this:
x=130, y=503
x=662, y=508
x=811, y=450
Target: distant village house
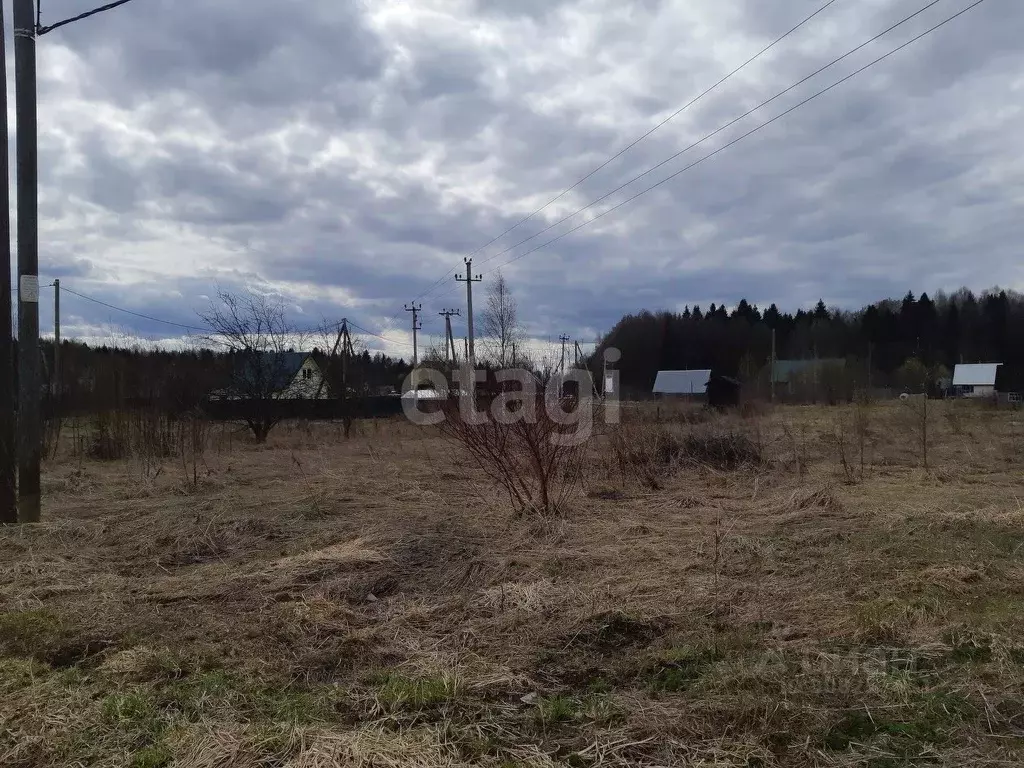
x=975, y=379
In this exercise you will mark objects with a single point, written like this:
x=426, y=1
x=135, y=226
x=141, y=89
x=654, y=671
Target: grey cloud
x=321, y=145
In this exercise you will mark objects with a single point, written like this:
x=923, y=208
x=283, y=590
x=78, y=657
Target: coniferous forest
x=905, y=340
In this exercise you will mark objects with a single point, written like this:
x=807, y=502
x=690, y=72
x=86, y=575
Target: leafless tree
x=501, y=331
x=527, y=456
x=252, y=329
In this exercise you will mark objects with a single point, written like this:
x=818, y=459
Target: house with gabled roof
x=683, y=383
x=276, y=376
x=975, y=379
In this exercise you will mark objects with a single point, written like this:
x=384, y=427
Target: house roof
x=785, y=369
x=273, y=370
x=682, y=382
x=428, y=394
x=975, y=375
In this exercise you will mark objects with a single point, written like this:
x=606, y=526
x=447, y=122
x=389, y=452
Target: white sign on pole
x=29, y=288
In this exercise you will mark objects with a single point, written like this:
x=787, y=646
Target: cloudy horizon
x=347, y=155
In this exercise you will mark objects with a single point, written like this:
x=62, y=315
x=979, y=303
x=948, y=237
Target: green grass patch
x=677, y=668
x=136, y=711
x=400, y=692
x=23, y=633
x=601, y=710
x=909, y=731
x=156, y=756
x=968, y=647
x=555, y=710
x=217, y=691
x=18, y=674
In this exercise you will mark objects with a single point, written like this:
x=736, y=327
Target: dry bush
x=848, y=435
x=52, y=428
x=120, y=434
x=644, y=451
x=721, y=447
x=528, y=456
x=193, y=437
x=915, y=422
x=649, y=451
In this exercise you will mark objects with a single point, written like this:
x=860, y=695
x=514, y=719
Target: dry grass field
x=318, y=602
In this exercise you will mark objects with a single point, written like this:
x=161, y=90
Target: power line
x=675, y=114
x=636, y=141
x=750, y=132
x=136, y=314
x=42, y=30
x=371, y=333
x=715, y=132
x=202, y=329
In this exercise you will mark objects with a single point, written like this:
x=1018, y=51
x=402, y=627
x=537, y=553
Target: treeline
x=109, y=377
x=924, y=332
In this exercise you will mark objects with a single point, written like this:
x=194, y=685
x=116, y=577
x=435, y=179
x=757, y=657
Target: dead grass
x=383, y=608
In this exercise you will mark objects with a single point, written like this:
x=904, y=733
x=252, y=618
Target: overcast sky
x=347, y=154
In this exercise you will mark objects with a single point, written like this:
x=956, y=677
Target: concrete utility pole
x=29, y=410
x=563, y=338
x=449, y=341
x=416, y=325
x=469, y=279
x=8, y=451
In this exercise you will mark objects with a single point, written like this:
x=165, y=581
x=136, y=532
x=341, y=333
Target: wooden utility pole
x=57, y=380
x=563, y=338
x=469, y=279
x=29, y=400
x=416, y=326
x=449, y=341
x=344, y=341
x=8, y=451
x=771, y=374
x=577, y=353
x=347, y=353
x=869, y=369
x=815, y=368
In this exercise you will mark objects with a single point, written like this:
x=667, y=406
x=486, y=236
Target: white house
x=692, y=383
x=975, y=379
x=307, y=382
x=277, y=376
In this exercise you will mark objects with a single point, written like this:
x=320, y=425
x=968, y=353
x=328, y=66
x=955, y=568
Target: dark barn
x=723, y=392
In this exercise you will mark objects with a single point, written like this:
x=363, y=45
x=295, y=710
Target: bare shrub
x=840, y=436
x=52, y=428
x=650, y=451
x=193, y=437
x=110, y=439
x=798, y=442
x=528, y=457
x=915, y=410
x=862, y=430
x=644, y=451
x=146, y=436
x=721, y=448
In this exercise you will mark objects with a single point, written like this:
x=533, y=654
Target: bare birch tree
x=252, y=329
x=502, y=333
